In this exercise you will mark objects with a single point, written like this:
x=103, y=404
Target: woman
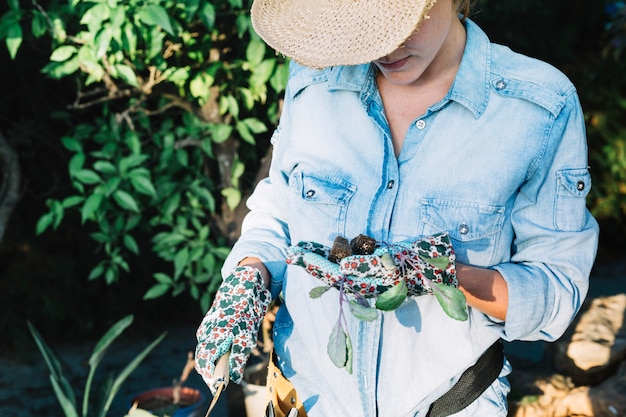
x=402, y=121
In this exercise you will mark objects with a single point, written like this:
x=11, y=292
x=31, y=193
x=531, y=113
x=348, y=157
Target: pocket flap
x=463, y=220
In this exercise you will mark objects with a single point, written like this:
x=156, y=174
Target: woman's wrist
x=484, y=289
x=258, y=264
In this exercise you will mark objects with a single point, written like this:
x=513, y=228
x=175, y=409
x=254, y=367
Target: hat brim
x=324, y=33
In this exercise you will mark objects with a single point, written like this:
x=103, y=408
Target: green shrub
x=170, y=98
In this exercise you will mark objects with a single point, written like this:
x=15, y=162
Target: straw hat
x=323, y=33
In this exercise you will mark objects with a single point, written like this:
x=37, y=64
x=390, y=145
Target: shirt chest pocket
x=317, y=205
x=475, y=228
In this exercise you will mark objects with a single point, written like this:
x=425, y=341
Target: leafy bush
x=170, y=96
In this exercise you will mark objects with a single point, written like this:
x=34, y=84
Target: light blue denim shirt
x=500, y=163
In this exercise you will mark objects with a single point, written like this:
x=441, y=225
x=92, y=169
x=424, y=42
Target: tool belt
x=283, y=400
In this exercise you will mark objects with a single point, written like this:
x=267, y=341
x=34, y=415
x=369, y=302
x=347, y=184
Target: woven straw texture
x=324, y=33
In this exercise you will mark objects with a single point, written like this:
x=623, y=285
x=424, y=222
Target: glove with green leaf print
x=232, y=324
x=390, y=273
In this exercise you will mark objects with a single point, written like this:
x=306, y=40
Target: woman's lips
x=394, y=64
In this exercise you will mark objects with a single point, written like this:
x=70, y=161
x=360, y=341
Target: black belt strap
x=473, y=382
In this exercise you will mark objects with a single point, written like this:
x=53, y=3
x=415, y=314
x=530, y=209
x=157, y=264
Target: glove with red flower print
x=419, y=263
x=232, y=324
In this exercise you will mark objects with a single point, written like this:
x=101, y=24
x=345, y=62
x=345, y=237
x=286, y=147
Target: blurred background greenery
x=140, y=127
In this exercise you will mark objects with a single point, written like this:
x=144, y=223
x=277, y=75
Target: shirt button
x=580, y=185
x=500, y=85
x=390, y=184
x=464, y=228
x=310, y=193
x=420, y=124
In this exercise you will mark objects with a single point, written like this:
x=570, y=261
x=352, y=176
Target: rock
x=340, y=249
x=609, y=398
x=561, y=398
x=598, y=342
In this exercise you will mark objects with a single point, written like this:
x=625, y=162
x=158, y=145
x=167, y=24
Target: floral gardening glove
x=419, y=263
x=232, y=324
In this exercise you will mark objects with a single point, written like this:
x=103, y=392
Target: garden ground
x=25, y=389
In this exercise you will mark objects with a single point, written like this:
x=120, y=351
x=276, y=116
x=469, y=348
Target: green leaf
x=105, y=167
x=338, y=346
x=125, y=201
x=143, y=184
x=180, y=262
x=54, y=366
x=156, y=15
x=362, y=312
x=107, y=339
x=72, y=201
x=65, y=398
x=244, y=132
x=242, y=24
x=232, y=196
x=440, y=262
x=38, y=25
x=237, y=171
x=317, y=292
x=96, y=272
x=207, y=15
x=58, y=70
x=132, y=161
x=131, y=244
x=349, y=354
x=92, y=204
x=262, y=72
x=200, y=85
x=393, y=297
x=111, y=185
x=127, y=371
x=156, y=291
x=44, y=222
x=278, y=81
x=255, y=52
x=87, y=176
x=255, y=125
x=452, y=300
x=14, y=39
x=63, y=53
x=127, y=74
x=162, y=278
x=14, y=5
x=61, y=386
x=71, y=144
x=104, y=41
x=220, y=132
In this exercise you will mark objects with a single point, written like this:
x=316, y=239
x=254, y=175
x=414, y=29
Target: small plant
x=388, y=260
x=64, y=392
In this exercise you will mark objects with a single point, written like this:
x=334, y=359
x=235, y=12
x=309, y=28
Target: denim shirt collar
x=473, y=72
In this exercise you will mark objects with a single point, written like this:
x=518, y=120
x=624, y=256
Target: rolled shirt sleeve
x=556, y=237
